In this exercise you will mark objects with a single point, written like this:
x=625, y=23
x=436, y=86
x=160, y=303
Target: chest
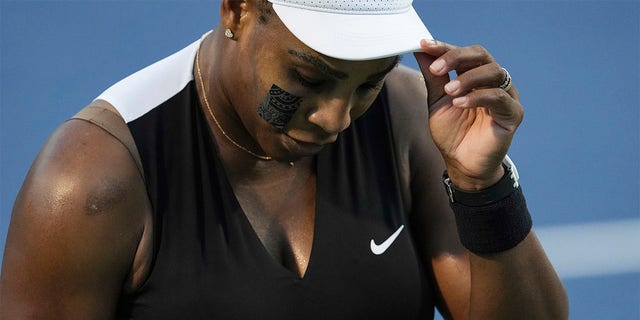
x=281, y=211
x=359, y=266
x=210, y=261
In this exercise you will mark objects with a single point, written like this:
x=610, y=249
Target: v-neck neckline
x=244, y=220
x=255, y=239
x=252, y=236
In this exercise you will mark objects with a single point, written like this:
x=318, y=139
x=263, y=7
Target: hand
x=472, y=120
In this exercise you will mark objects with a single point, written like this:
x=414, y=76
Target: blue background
x=576, y=64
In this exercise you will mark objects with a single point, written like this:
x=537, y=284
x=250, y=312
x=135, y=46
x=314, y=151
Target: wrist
x=498, y=190
x=493, y=219
x=495, y=227
x=475, y=183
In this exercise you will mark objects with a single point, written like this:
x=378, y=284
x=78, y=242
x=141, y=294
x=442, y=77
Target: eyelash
x=305, y=82
x=302, y=80
x=372, y=86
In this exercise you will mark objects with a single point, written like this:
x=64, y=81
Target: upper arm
x=421, y=166
x=75, y=228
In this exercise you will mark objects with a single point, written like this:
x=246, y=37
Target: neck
x=238, y=151
x=225, y=122
x=246, y=171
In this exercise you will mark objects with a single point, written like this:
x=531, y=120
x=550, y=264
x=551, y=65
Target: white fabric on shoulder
x=144, y=90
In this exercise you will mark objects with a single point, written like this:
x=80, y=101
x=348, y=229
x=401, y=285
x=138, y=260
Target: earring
x=228, y=33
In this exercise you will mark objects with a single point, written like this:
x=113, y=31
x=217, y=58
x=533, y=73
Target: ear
x=233, y=14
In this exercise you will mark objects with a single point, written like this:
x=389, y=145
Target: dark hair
x=265, y=11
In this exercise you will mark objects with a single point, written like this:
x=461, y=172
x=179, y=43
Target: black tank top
x=209, y=263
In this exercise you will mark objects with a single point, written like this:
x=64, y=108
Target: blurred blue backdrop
x=576, y=64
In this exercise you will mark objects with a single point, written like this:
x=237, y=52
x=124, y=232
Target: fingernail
x=452, y=86
x=437, y=65
x=428, y=42
x=460, y=101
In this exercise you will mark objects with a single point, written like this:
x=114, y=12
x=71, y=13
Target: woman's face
x=316, y=97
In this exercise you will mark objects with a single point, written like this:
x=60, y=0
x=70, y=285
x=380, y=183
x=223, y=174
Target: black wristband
x=496, y=192
x=495, y=227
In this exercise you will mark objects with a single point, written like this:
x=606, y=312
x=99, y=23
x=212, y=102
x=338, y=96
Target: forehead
x=296, y=50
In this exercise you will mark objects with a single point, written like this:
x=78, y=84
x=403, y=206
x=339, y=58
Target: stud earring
x=228, y=33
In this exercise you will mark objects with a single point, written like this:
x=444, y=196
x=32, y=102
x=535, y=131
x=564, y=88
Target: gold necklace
x=224, y=133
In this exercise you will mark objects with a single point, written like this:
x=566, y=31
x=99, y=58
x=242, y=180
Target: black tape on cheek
x=278, y=107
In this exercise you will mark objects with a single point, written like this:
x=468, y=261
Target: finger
x=485, y=76
x=436, y=49
x=462, y=59
x=435, y=83
x=505, y=110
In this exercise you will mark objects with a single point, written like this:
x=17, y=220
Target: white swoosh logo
x=381, y=248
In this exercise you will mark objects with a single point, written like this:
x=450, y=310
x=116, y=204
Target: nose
x=332, y=115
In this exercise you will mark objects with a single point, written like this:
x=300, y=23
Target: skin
x=81, y=230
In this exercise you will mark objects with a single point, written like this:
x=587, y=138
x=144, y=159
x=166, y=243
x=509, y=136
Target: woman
x=284, y=166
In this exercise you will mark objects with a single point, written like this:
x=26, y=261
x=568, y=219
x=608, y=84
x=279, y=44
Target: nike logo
x=381, y=248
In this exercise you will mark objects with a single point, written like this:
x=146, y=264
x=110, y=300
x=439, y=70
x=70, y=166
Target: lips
x=305, y=148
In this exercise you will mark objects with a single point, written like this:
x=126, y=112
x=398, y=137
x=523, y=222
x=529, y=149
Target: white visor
x=354, y=29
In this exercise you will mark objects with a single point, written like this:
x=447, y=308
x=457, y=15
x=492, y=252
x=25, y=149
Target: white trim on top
x=144, y=90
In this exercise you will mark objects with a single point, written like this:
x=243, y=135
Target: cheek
x=278, y=107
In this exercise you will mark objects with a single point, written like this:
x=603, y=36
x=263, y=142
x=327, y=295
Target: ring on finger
x=507, y=83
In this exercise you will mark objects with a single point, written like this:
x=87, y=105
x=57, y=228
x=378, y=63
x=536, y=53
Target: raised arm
x=469, y=140
x=74, y=241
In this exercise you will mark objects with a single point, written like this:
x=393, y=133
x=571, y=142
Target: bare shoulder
x=76, y=228
x=417, y=156
x=407, y=94
x=409, y=111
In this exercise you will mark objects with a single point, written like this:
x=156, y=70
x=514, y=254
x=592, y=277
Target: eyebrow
x=327, y=70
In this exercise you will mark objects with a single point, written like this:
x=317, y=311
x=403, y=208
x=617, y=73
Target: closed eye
x=306, y=81
x=372, y=86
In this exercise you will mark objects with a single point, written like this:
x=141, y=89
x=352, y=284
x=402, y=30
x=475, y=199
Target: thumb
x=435, y=84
